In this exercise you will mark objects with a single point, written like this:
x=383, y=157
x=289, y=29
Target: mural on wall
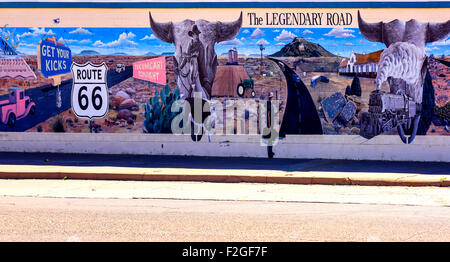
x=403, y=65
x=369, y=79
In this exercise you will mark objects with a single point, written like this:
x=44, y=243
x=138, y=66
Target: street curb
x=221, y=175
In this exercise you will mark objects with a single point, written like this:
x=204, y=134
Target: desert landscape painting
x=319, y=57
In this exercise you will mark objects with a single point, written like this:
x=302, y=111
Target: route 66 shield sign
x=89, y=90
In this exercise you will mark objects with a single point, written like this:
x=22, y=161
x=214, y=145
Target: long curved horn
x=228, y=31
x=415, y=127
x=401, y=133
x=414, y=130
x=437, y=31
x=163, y=31
x=371, y=31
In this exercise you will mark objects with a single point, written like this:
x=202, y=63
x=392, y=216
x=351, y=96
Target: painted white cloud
x=257, y=33
x=281, y=43
x=27, y=45
x=37, y=31
x=124, y=40
x=285, y=36
x=146, y=37
x=81, y=31
x=231, y=42
x=321, y=39
x=441, y=43
x=242, y=38
x=276, y=31
x=309, y=38
x=245, y=31
x=262, y=42
x=307, y=32
x=349, y=44
x=340, y=33
x=98, y=43
x=70, y=41
x=67, y=41
x=85, y=41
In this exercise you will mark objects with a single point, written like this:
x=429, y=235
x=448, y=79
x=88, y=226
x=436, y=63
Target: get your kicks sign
x=54, y=58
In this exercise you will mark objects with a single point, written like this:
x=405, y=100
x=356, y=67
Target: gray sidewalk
x=141, y=161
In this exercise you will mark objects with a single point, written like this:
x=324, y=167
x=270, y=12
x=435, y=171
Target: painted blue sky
x=139, y=41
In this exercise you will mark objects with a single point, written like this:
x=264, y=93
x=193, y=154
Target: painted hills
x=302, y=48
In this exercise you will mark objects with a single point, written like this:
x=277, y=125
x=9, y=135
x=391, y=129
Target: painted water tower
x=232, y=56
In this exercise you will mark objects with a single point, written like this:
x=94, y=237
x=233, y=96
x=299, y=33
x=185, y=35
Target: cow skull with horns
x=404, y=58
x=205, y=35
x=403, y=64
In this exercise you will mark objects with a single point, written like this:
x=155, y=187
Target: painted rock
x=125, y=114
x=333, y=105
x=119, y=98
x=131, y=91
x=348, y=112
x=356, y=87
x=357, y=101
x=347, y=91
x=127, y=104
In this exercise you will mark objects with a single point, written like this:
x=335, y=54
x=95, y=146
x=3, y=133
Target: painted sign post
x=90, y=90
x=53, y=60
x=152, y=70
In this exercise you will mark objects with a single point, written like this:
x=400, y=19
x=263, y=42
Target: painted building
x=232, y=56
x=365, y=65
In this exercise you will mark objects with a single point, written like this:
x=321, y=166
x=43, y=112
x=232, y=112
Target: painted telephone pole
x=269, y=119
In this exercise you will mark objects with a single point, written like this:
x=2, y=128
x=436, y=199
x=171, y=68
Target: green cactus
x=158, y=115
x=163, y=97
x=176, y=93
x=167, y=89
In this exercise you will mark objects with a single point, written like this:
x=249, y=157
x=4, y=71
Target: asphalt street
x=86, y=210
x=62, y=219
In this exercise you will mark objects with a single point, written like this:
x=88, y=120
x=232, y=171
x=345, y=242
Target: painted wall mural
x=322, y=71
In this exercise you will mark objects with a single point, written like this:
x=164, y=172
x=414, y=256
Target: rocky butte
x=301, y=47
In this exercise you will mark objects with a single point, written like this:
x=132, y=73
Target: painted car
x=18, y=106
x=120, y=68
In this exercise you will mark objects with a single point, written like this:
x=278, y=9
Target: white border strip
x=352, y=147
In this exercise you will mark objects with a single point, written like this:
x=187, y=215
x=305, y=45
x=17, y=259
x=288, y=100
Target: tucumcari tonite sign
x=152, y=70
x=54, y=58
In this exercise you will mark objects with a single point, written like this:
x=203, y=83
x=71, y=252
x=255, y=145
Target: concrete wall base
x=352, y=147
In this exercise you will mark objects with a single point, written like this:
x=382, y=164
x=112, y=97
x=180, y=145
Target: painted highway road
x=45, y=99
